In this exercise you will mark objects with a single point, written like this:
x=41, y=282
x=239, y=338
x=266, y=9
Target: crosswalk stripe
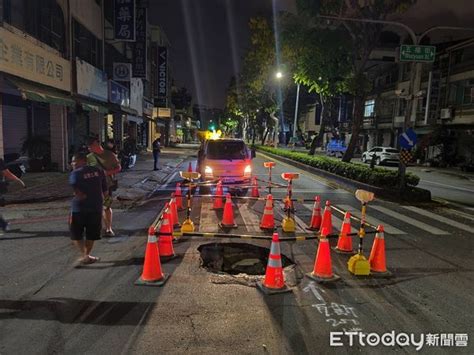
x=409, y=220
x=250, y=219
x=372, y=220
x=445, y=220
x=336, y=222
x=207, y=221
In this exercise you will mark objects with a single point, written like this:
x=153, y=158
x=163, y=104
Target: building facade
x=66, y=74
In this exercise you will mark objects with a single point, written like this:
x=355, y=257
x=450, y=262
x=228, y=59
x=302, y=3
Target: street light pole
x=296, y=112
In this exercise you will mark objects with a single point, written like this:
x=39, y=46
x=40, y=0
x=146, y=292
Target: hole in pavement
x=237, y=258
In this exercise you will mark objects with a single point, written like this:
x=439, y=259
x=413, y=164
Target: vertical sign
x=124, y=20
x=162, y=75
x=140, y=54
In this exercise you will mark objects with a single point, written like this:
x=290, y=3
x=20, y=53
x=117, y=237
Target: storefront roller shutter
x=15, y=128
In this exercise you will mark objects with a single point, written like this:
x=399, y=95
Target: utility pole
x=295, y=122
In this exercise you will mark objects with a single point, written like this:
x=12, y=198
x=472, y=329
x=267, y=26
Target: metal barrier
x=299, y=237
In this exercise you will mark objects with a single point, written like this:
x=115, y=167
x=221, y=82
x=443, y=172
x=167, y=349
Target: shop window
x=43, y=20
x=86, y=45
x=369, y=108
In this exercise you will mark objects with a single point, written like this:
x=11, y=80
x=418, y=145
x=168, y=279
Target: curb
x=352, y=185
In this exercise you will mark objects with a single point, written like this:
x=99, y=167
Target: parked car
x=383, y=155
x=336, y=147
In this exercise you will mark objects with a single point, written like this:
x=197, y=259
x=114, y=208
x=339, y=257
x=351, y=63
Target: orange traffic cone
x=255, y=192
x=274, y=281
x=178, y=196
x=268, y=220
x=152, y=274
x=316, y=217
x=326, y=221
x=218, y=204
x=165, y=241
x=174, y=212
x=377, y=254
x=322, y=271
x=228, y=217
x=344, y=243
x=190, y=167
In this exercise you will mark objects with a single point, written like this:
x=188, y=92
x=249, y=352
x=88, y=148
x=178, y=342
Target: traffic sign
x=408, y=139
x=411, y=53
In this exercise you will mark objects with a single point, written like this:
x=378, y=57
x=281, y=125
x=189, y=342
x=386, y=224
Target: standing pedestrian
x=156, y=152
x=8, y=175
x=107, y=161
x=90, y=186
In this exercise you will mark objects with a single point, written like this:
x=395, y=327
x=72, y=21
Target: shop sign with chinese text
x=23, y=58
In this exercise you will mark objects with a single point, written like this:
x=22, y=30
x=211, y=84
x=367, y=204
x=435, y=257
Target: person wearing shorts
x=107, y=161
x=90, y=186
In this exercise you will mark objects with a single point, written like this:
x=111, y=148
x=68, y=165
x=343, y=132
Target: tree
x=320, y=61
x=363, y=36
x=251, y=95
x=181, y=99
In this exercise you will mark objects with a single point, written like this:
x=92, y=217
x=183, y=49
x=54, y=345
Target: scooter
x=16, y=164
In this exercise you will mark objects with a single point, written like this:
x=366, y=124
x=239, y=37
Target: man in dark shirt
x=89, y=186
x=156, y=152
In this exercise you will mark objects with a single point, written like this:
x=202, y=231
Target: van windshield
x=226, y=150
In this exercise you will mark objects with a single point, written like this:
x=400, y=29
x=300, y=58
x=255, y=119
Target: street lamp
x=279, y=75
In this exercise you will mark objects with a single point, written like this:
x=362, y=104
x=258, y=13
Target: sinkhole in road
x=237, y=258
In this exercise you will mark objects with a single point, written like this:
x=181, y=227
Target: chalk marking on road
x=450, y=186
x=336, y=222
x=437, y=217
x=250, y=219
x=333, y=311
x=409, y=220
x=372, y=220
x=314, y=290
x=207, y=221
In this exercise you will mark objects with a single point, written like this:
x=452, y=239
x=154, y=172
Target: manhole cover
x=237, y=258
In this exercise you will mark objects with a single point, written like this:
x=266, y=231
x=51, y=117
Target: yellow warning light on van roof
x=210, y=135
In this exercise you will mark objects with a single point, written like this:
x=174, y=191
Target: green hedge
x=377, y=177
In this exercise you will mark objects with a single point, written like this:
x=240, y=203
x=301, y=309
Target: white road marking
x=450, y=186
x=207, y=221
x=409, y=220
x=372, y=220
x=336, y=222
x=437, y=217
x=250, y=219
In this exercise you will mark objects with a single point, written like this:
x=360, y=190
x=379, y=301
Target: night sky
x=209, y=37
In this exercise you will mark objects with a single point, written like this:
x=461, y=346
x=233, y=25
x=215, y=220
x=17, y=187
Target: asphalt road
x=48, y=306
x=445, y=185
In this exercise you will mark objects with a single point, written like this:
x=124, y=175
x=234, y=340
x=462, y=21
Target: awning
x=94, y=107
x=135, y=119
x=35, y=93
x=423, y=130
x=123, y=109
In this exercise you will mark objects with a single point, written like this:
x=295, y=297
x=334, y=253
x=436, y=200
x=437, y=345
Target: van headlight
x=248, y=171
x=208, y=171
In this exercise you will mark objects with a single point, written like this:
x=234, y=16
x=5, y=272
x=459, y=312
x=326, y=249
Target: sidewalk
x=134, y=184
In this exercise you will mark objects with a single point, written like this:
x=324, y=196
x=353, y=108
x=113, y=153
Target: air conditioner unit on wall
x=446, y=113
